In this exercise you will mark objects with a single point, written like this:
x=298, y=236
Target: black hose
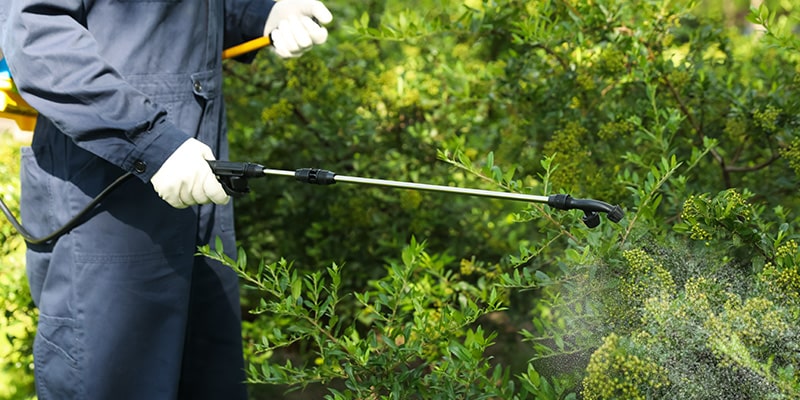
x=30, y=239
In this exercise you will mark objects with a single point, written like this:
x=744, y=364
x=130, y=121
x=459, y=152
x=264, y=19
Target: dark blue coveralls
x=127, y=311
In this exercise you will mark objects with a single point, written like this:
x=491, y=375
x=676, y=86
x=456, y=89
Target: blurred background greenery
x=685, y=113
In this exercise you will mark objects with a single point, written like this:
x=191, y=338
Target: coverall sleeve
x=245, y=20
x=56, y=66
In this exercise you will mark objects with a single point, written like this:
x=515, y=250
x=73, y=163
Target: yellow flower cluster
x=735, y=201
x=692, y=212
x=786, y=249
x=611, y=130
x=782, y=282
x=768, y=118
x=753, y=319
x=735, y=128
x=662, y=311
x=679, y=78
x=614, y=373
x=736, y=334
x=571, y=155
x=792, y=154
x=585, y=80
x=699, y=233
x=645, y=277
x=696, y=290
x=277, y=111
x=724, y=213
x=782, y=277
x=612, y=61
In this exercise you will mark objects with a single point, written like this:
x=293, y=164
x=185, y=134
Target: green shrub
x=18, y=315
x=686, y=120
x=412, y=337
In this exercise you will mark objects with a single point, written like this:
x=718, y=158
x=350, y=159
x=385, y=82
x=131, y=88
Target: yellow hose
x=246, y=47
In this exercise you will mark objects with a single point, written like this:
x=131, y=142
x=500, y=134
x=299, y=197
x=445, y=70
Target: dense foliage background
x=685, y=113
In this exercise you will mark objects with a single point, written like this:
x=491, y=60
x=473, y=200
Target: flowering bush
x=688, y=122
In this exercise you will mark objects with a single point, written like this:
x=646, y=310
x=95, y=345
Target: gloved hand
x=186, y=179
x=292, y=29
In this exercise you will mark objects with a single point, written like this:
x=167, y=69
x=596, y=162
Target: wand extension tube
x=591, y=208
x=324, y=177
x=233, y=176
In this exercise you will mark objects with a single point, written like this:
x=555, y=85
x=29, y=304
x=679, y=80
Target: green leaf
x=297, y=287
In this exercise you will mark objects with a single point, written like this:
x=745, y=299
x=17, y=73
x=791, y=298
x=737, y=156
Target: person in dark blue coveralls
x=126, y=309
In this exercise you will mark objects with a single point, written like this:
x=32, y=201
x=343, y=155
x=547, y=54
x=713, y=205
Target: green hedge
x=18, y=315
x=686, y=120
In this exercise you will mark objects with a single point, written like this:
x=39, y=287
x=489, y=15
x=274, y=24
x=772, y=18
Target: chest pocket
x=184, y=96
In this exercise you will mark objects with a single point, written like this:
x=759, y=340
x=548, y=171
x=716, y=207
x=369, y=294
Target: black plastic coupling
x=560, y=201
x=589, y=207
x=315, y=176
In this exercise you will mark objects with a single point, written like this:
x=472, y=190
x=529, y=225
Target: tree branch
x=757, y=167
x=697, y=128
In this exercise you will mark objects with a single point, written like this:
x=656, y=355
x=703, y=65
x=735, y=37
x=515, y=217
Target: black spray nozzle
x=590, y=208
x=233, y=175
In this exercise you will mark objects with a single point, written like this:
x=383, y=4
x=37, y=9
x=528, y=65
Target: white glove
x=186, y=179
x=292, y=29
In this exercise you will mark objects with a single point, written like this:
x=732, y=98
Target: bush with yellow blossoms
x=682, y=112
x=688, y=122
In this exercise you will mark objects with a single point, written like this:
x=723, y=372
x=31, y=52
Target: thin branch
x=738, y=152
x=757, y=167
x=697, y=128
x=553, y=54
x=572, y=9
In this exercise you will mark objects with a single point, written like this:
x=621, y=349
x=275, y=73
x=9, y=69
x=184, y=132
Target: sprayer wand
x=234, y=175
